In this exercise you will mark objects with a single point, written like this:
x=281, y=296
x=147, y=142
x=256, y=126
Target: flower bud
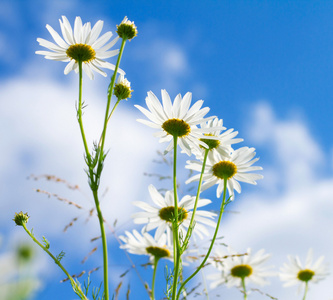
x=21, y=218
x=122, y=89
x=127, y=29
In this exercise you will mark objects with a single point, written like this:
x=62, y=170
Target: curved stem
x=176, y=243
x=79, y=114
x=189, y=230
x=244, y=288
x=153, y=281
x=75, y=286
x=306, y=290
x=211, y=244
x=104, y=243
x=107, y=116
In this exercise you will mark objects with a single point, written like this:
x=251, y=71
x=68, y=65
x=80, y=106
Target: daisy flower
x=234, y=168
x=122, y=88
x=224, y=139
x=240, y=270
x=161, y=215
x=176, y=119
x=294, y=272
x=82, y=44
x=145, y=244
x=127, y=29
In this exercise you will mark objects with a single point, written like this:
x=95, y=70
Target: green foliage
x=60, y=256
x=46, y=243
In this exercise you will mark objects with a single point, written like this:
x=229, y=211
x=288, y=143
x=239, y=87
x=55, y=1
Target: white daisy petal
x=233, y=266
x=294, y=273
x=160, y=215
x=169, y=116
x=235, y=163
x=73, y=40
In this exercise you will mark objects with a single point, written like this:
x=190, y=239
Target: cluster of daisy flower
x=241, y=270
x=180, y=124
x=168, y=223
x=195, y=135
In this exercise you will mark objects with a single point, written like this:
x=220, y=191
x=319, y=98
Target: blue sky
x=263, y=66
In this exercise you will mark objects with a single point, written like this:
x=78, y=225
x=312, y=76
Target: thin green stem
x=205, y=284
x=104, y=243
x=244, y=288
x=107, y=116
x=189, y=230
x=175, y=223
x=75, y=286
x=154, y=277
x=79, y=114
x=211, y=244
x=306, y=290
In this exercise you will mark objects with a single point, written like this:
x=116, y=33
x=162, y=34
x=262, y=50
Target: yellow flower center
x=81, y=52
x=212, y=144
x=158, y=252
x=305, y=275
x=241, y=271
x=168, y=214
x=176, y=127
x=224, y=169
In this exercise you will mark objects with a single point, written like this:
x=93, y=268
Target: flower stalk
x=306, y=289
x=156, y=259
x=244, y=288
x=223, y=204
x=76, y=287
x=190, y=228
x=176, y=242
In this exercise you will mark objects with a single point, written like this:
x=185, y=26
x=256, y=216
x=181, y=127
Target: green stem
x=176, y=243
x=244, y=288
x=104, y=243
x=189, y=230
x=95, y=191
x=211, y=244
x=306, y=290
x=205, y=284
x=154, y=276
x=75, y=286
x=107, y=116
x=79, y=115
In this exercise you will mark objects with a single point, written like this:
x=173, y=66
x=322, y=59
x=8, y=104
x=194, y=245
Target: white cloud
x=40, y=135
x=165, y=63
x=297, y=155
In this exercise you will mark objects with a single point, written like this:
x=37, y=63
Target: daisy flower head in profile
x=294, y=272
x=177, y=120
x=161, y=215
x=240, y=269
x=127, y=29
x=122, y=88
x=223, y=142
x=145, y=244
x=81, y=45
x=234, y=168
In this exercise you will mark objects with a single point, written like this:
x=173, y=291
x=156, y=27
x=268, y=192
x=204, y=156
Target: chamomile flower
x=127, y=29
x=295, y=273
x=223, y=142
x=234, y=168
x=160, y=216
x=82, y=44
x=176, y=119
x=145, y=244
x=235, y=268
x=122, y=88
